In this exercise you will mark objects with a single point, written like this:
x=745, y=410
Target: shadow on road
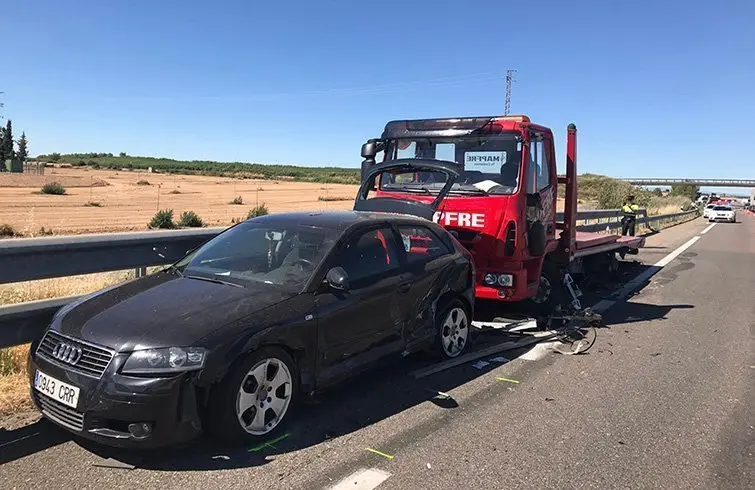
x=30, y=439
x=640, y=312
x=366, y=400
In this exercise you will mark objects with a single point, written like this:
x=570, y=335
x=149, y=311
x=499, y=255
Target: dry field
x=127, y=206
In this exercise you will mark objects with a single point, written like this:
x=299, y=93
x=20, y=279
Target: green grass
x=199, y=167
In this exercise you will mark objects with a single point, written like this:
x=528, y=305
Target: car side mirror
x=338, y=279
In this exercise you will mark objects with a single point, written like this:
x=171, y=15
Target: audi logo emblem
x=67, y=353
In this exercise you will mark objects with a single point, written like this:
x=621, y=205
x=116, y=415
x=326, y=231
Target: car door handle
x=404, y=287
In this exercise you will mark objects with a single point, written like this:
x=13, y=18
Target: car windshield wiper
x=215, y=280
x=173, y=268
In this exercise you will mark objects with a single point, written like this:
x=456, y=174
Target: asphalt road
x=663, y=399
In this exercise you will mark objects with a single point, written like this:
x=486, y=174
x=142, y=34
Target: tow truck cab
x=501, y=204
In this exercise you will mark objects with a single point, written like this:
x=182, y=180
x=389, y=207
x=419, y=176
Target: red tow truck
x=492, y=182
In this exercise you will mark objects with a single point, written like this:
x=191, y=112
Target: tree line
x=11, y=149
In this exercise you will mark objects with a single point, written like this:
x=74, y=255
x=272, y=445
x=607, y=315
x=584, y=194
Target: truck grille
x=61, y=414
x=75, y=355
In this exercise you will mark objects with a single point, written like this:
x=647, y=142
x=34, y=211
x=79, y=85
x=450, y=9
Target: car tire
x=270, y=370
x=453, y=330
x=551, y=291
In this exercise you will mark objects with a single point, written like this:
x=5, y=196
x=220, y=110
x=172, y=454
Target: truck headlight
x=169, y=360
x=505, y=280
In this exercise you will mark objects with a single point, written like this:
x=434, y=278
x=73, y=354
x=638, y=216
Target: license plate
x=56, y=389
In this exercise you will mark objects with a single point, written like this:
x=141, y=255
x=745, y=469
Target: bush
x=260, y=210
x=237, y=200
x=175, y=191
x=190, y=219
x=142, y=182
x=54, y=157
x=7, y=231
x=93, y=204
x=53, y=188
x=122, y=154
x=334, y=198
x=163, y=219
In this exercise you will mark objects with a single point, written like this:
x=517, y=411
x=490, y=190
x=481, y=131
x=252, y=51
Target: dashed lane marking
x=707, y=228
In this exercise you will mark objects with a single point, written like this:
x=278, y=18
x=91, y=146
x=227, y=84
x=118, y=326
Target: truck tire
x=551, y=292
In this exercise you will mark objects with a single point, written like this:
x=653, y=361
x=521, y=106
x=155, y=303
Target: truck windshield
x=489, y=164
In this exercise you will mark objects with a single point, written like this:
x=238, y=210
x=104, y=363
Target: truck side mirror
x=369, y=149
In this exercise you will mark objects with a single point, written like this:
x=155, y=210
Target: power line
x=509, y=81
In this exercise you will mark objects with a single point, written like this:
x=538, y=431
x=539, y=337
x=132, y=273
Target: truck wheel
x=256, y=396
x=550, y=291
x=454, y=330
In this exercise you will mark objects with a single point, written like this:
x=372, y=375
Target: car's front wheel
x=256, y=396
x=453, y=330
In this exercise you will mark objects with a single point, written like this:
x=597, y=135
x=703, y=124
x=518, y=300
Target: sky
x=656, y=88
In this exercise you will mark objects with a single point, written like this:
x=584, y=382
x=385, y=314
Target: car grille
x=74, y=355
x=62, y=414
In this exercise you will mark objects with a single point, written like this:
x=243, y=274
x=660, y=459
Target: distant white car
x=706, y=211
x=722, y=213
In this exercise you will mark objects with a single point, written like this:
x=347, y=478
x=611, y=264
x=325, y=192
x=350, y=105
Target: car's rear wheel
x=453, y=330
x=256, y=397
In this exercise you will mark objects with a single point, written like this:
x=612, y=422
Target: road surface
x=663, y=399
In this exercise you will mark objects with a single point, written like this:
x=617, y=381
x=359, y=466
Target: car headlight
x=165, y=361
x=490, y=279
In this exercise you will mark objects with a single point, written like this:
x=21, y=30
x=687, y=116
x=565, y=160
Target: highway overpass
x=700, y=182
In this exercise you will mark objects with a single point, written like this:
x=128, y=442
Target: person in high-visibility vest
x=630, y=210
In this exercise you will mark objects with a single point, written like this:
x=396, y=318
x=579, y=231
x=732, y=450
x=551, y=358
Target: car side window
x=369, y=255
x=422, y=243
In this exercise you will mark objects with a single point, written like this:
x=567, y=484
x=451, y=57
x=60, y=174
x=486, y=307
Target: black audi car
x=230, y=336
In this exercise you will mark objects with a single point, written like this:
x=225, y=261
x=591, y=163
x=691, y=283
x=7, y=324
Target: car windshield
x=722, y=208
x=488, y=165
x=261, y=254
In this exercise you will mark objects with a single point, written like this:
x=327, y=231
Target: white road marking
x=362, y=480
x=676, y=253
x=707, y=228
x=631, y=286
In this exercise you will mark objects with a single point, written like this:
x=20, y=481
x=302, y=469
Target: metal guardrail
x=648, y=221
x=43, y=258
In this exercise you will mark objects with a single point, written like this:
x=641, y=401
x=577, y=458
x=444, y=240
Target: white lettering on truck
x=452, y=218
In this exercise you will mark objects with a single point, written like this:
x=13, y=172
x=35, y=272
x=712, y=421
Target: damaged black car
x=227, y=339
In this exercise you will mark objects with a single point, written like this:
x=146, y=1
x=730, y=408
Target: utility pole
x=509, y=81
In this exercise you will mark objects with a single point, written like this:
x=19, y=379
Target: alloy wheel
x=264, y=396
x=455, y=332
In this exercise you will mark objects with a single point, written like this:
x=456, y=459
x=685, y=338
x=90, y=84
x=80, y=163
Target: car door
x=428, y=273
x=361, y=325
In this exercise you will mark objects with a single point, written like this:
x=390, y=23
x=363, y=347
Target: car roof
x=338, y=220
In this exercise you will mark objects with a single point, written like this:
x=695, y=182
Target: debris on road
x=221, y=456
x=480, y=364
x=388, y=456
x=549, y=399
x=507, y=379
x=113, y=463
x=500, y=359
x=268, y=444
